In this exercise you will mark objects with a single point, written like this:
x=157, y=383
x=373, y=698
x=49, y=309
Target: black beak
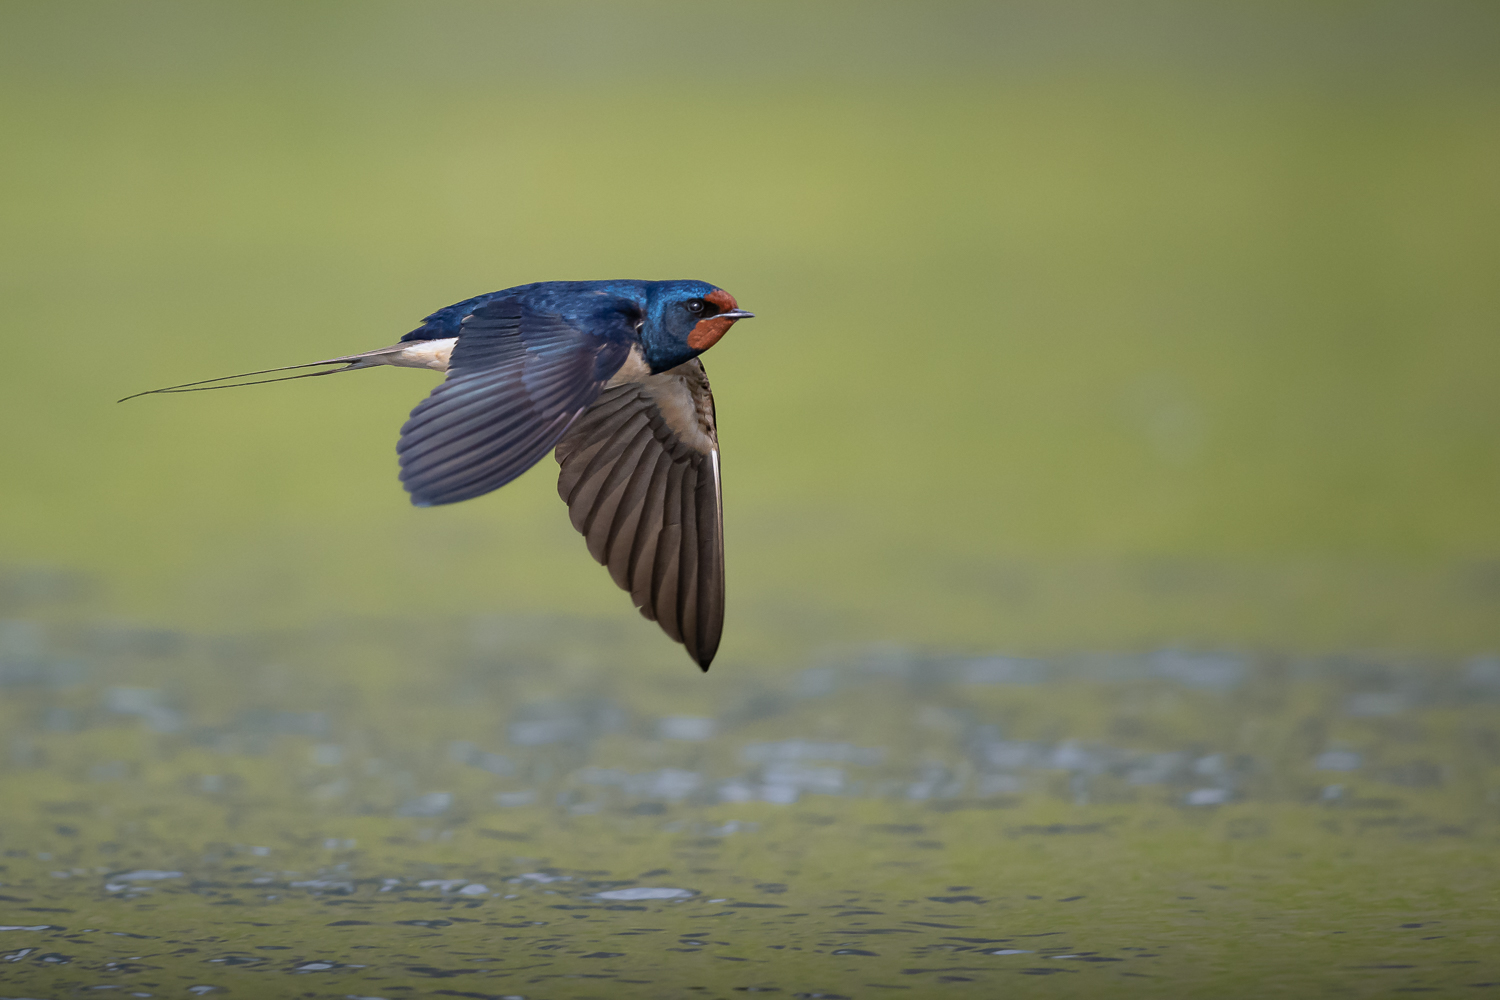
x=735, y=314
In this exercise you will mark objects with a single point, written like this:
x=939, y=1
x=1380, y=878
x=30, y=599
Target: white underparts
x=634, y=369
x=689, y=416
x=430, y=354
x=673, y=396
x=675, y=400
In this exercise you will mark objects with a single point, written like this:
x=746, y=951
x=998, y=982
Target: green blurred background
x=1080, y=325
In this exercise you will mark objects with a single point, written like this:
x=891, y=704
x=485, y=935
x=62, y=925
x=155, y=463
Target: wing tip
x=703, y=657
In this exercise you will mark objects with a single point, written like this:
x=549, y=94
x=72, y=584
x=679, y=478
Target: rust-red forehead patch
x=708, y=331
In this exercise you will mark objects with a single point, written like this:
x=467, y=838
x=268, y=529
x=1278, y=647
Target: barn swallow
x=605, y=372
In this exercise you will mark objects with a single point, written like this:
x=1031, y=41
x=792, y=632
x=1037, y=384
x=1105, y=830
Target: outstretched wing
x=640, y=475
x=516, y=380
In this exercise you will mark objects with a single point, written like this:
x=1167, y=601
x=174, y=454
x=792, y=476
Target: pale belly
x=689, y=416
x=430, y=354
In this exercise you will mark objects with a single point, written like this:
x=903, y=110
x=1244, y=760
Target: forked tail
x=349, y=363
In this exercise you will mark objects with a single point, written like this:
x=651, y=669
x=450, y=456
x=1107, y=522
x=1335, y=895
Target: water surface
x=342, y=812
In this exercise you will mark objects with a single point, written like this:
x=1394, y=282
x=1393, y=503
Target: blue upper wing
x=517, y=380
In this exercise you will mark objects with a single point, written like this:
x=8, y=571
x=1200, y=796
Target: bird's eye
x=696, y=306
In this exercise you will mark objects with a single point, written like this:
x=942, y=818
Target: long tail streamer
x=351, y=362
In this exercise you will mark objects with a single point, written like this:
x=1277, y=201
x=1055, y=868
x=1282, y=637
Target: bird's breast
x=680, y=394
x=635, y=369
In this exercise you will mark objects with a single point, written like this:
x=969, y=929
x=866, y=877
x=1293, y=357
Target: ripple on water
x=637, y=893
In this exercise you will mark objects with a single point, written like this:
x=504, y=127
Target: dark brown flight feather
x=640, y=477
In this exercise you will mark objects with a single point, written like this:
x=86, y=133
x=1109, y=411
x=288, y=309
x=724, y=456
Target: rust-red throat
x=708, y=331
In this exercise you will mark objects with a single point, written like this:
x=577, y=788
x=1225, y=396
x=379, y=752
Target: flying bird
x=605, y=372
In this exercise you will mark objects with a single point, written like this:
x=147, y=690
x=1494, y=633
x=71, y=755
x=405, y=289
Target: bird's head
x=685, y=318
